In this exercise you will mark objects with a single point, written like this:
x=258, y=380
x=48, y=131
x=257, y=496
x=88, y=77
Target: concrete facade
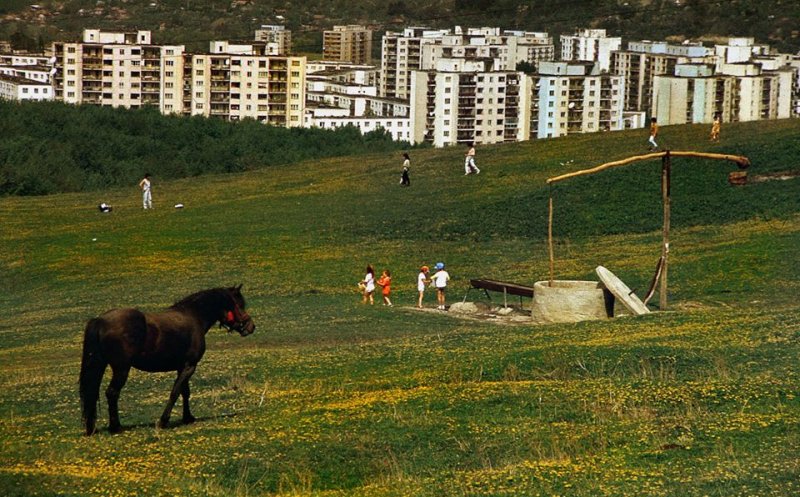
x=569, y=98
x=465, y=101
x=350, y=43
x=589, y=45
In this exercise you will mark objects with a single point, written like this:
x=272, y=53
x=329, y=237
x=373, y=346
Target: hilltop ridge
x=195, y=22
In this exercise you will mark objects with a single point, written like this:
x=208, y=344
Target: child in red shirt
x=385, y=282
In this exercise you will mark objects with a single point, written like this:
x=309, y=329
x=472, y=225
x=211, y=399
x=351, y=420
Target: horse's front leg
x=177, y=388
x=187, y=413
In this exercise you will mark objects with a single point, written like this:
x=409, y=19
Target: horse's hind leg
x=177, y=389
x=112, y=394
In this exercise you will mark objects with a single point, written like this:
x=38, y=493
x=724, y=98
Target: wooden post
x=665, y=197
x=550, y=236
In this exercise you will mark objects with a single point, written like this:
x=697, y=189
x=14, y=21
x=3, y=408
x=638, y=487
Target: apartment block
x=115, y=69
x=401, y=53
x=694, y=94
x=277, y=38
x=344, y=72
x=19, y=88
x=505, y=49
x=234, y=86
x=589, y=45
x=421, y=49
x=463, y=100
x=569, y=98
x=359, y=99
x=333, y=118
x=36, y=67
x=350, y=43
x=739, y=92
x=643, y=60
x=739, y=50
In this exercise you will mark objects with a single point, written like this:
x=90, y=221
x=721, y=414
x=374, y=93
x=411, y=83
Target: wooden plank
x=502, y=286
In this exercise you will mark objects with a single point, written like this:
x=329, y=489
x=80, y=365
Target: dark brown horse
x=173, y=340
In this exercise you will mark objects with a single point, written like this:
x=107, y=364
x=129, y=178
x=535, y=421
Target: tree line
x=51, y=147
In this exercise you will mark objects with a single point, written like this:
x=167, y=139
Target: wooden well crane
x=666, y=166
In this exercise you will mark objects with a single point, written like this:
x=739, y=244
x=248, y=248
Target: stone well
x=571, y=301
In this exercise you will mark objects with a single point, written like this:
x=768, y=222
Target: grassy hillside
x=196, y=22
x=330, y=397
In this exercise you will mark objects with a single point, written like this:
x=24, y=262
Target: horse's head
x=236, y=318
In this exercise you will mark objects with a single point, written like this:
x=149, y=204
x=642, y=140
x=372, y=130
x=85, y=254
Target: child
x=147, y=198
x=440, y=280
x=369, y=285
x=715, y=129
x=422, y=280
x=653, y=134
x=404, y=179
x=469, y=160
x=385, y=282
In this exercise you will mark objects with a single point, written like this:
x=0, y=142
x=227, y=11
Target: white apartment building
x=465, y=101
x=589, y=45
x=360, y=100
x=233, y=81
x=18, y=88
x=401, y=53
x=115, y=69
x=25, y=59
x=37, y=67
x=323, y=116
x=739, y=50
x=277, y=38
x=350, y=43
x=344, y=72
x=569, y=98
x=234, y=86
x=643, y=60
x=506, y=49
x=739, y=92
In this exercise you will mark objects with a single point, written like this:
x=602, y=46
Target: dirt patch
x=483, y=312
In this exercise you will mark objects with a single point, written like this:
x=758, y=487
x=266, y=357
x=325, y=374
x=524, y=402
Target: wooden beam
x=741, y=161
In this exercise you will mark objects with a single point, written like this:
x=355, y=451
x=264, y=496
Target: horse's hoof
x=115, y=428
x=162, y=423
x=189, y=419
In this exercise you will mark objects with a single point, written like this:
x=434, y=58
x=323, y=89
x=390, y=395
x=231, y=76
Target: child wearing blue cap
x=440, y=279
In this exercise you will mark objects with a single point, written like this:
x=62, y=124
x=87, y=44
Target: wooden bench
x=505, y=287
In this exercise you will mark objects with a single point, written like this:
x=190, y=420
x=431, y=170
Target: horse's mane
x=200, y=298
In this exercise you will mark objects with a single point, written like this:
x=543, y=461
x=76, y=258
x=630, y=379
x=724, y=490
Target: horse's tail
x=93, y=365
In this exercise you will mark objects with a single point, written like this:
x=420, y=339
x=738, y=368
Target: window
x=168, y=95
x=295, y=74
x=198, y=105
x=170, y=63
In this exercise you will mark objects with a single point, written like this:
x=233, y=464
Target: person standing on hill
x=385, y=282
x=369, y=285
x=440, y=279
x=469, y=160
x=147, y=198
x=653, y=134
x=422, y=280
x=404, y=179
x=715, y=127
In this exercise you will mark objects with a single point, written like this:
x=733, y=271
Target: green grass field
x=331, y=397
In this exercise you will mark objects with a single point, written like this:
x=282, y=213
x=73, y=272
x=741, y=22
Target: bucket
x=568, y=301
